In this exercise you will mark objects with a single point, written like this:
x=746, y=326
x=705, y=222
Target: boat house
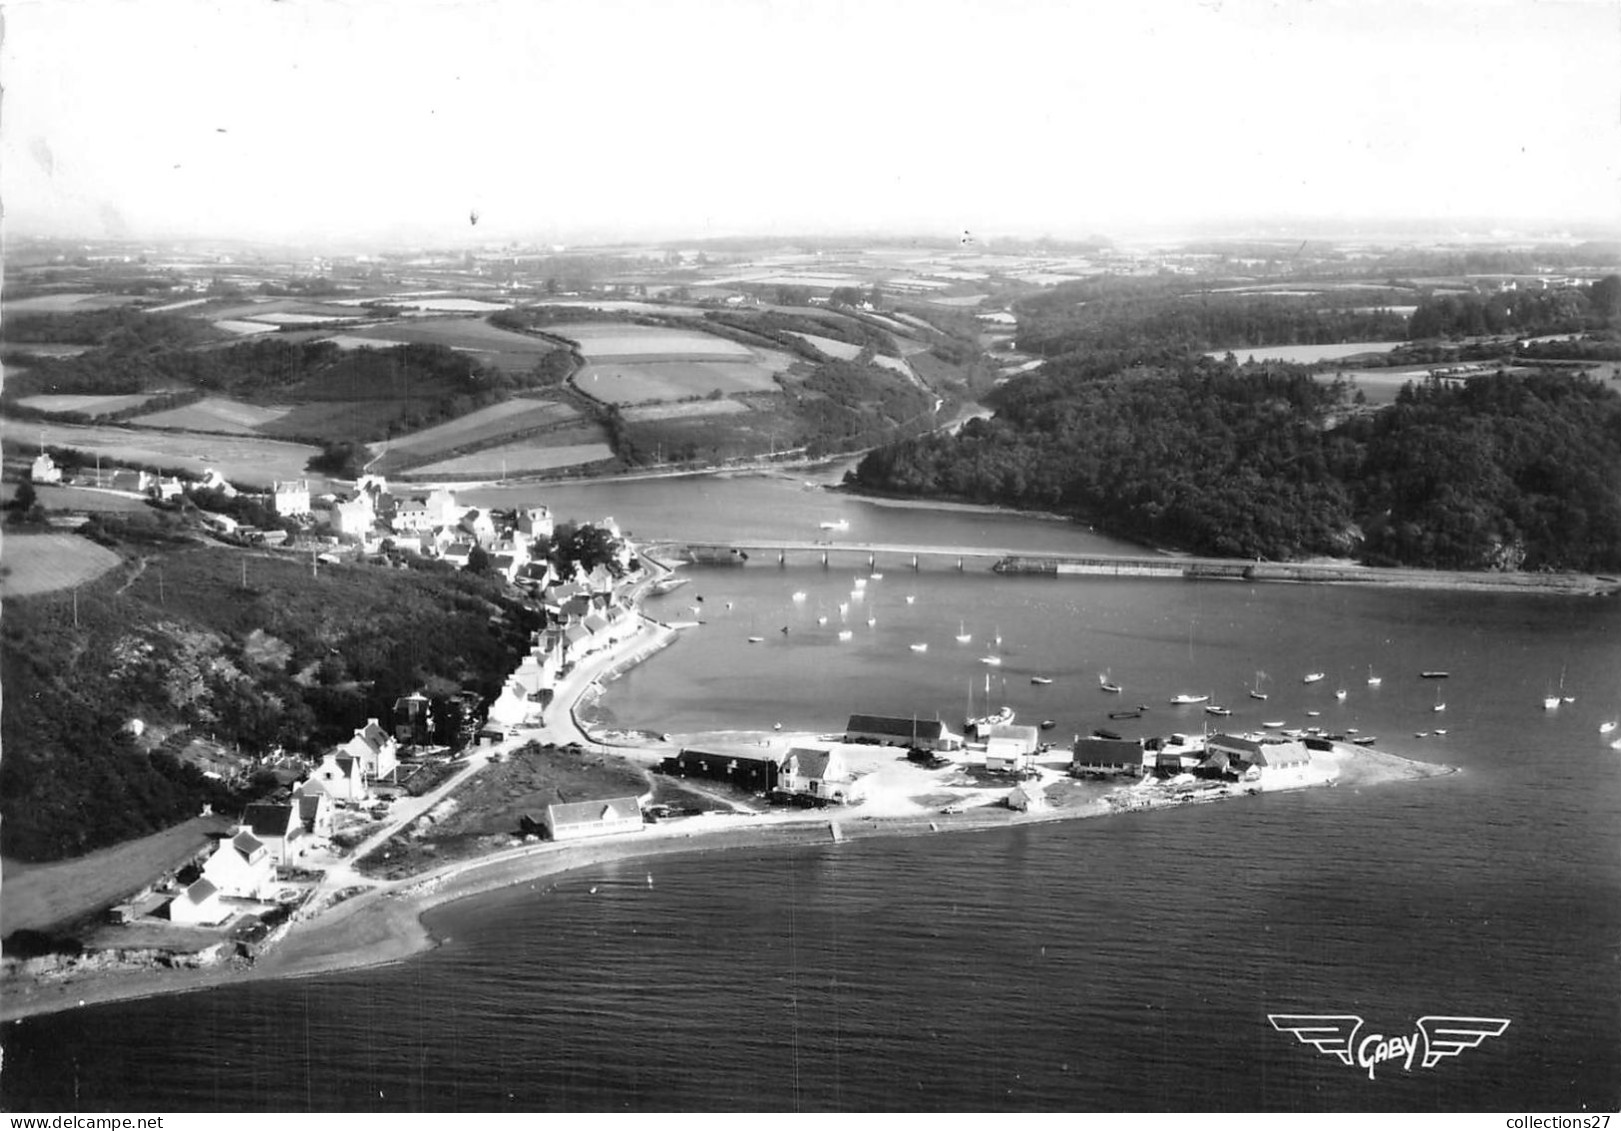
x=750, y=770
x=1107, y=756
x=1010, y=749
x=574, y=819
x=1261, y=758
x=890, y=730
x=819, y=774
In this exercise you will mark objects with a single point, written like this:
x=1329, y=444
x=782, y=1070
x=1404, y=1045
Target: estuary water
x=1129, y=962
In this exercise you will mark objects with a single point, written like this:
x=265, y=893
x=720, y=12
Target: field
x=54, y=498
x=603, y=341
x=483, y=426
x=625, y=384
x=682, y=409
x=236, y=327
x=524, y=457
x=502, y=348
x=844, y=351
x=291, y=309
x=336, y=420
x=241, y=459
x=40, y=896
x=41, y=563
x=213, y=414
x=65, y=303
x=89, y=404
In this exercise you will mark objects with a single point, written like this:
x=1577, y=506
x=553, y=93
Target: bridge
x=874, y=555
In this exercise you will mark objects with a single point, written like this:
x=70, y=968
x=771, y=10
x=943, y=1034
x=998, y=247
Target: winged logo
x=1449, y=1036
x=1332, y=1033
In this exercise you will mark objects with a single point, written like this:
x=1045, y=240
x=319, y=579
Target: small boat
x=1374, y=680
x=1421, y=734
x=920, y=647
x=1364, y=740
x=861, y=583
x=910, y=598
x=1607, y=727
x=845, y=634
x=821, y=619
x=1256, y=692
x=1043, y=681
x=993, y=661
x=1550, y=702
x=841, y=524
x=877, y=576
x=799, y=596
x=1313, y=714
x=1099, y=732
x=1273, y=724
x=1047, y=724
x=1616, y=745
x=1311, y=677
x=1125, y=714
x=1340, y=694
x=1184, y=699
x=1440, y=704
x=871, y=621
x=785, y=630
x=756, y=639
x=1213, y=709
x=844, y=607
x=1105, y=684
x=963, y=635
x=1440, y=730
x=1433, y=674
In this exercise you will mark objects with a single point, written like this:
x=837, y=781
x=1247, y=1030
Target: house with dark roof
x=821, y=774
x=1262, y=758
x=242, y=867
x=377, y=750
x=898, y=730
x=199, y=906
x=339, y=776
x=1107, y=756
x=314, y=809
x=277, y=826
x=571, y=820
x=746, y=769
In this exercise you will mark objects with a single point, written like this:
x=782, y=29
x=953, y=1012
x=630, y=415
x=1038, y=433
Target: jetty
x=1008, y=560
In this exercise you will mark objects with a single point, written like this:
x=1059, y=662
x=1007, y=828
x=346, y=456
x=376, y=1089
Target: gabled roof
x=810, y=763
x=200, y=891
x=246, y=843
x=589, y=812
x=269, y=820
x=1015, y=732
x=929, y=729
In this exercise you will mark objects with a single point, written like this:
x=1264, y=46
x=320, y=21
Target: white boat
x=1213, y=709
x=1313, y=714
x=1340, y=694
x=861, y=583
x=877, y=576
x=821, y=619
x=1440, y=704
x=844, y=608
x=845, y=634
x=1550, y=702
x=1616, y=745
x=1184, y=699
x=799, y=596
x=1311, y=677
x=1043, y=681
x=871, y=621
x=963, y=635
x=1273, y=724
x=1440, y=730
x=993, y=661
x=756, y=639
x=841, y=524
x=910, y=598
x=1256, y=692
x=920, y=647
x=1607, y=727
x=1374, y=680
x=1107, y=684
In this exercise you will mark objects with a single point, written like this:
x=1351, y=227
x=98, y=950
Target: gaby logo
x=1434, y=1038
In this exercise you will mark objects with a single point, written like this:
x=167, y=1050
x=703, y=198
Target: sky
x=603, y=120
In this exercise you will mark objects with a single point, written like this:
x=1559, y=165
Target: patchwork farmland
x=90, y=404
x=215, y=414
x=505, y=349
x=248, y=460
x=621, y=383
x=524, y=457
x=617, y=341
x=489, y=425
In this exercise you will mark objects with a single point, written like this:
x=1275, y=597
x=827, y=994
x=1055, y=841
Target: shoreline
x=385, y=925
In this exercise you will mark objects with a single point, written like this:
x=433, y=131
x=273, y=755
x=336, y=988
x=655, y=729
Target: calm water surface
x=1124, y=963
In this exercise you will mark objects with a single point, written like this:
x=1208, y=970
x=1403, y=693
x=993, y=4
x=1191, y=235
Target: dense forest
x=191, y=638
x=1560, y=310
x=1500, y=472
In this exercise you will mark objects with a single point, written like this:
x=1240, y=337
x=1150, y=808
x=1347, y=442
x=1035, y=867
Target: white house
x=1026, y=797
x=816, y=773
x=44, y=469
x=242, y=867
x=352, y=519
x=442, y=508
x=278, y=827
x=314, y=809
x=1009, y=748
x=292, y=497
x=535, y=522
x=214, y=481
x=339, y=776
x=411, y=516
x=574, y=819
x=199, y=906
x=375, y=748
